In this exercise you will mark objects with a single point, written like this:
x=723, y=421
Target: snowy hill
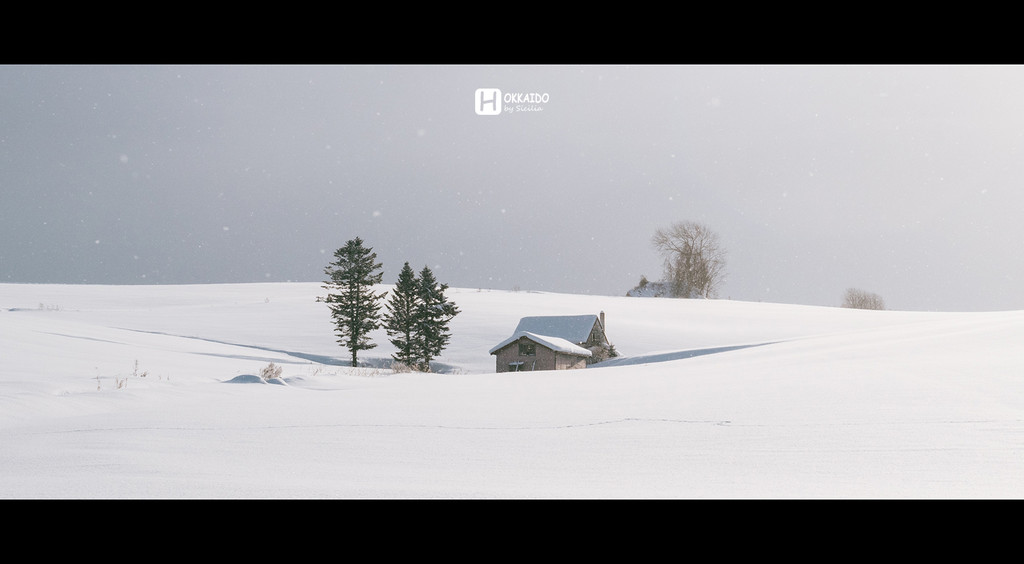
x=138, y=392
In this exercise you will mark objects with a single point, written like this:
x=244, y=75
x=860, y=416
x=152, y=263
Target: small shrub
x=859, y=299
x=270, y=371
x=400, y=367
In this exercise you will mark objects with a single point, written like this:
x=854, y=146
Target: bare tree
x=859, y=299
x=694, y=259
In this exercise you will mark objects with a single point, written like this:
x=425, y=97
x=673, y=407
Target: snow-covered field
x=123, y=392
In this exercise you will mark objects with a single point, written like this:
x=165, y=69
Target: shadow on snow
x=382, y=363
x=675, y=355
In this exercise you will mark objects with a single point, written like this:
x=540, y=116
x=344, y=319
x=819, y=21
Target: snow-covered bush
x=270, y=371
x=648, y=289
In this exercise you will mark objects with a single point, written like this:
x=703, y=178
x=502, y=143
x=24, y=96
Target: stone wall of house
x=569, y=361
x=545, y=359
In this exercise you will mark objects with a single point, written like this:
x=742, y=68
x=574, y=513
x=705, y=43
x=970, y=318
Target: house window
x=515, y=367
x=527, y=349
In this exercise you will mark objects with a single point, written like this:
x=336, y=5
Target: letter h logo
x=488, y=101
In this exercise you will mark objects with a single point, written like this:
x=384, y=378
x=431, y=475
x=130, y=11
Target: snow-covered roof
x=554, y=343
x=572, y=328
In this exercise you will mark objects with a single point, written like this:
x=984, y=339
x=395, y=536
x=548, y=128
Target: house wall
x=569, y=362
x=545, y=359
x=596, y=344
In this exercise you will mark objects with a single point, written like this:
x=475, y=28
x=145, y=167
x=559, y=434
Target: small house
x=561, y=342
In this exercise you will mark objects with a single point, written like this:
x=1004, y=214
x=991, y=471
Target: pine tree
x=400, y=319
x=354, y=305
x=433, y=312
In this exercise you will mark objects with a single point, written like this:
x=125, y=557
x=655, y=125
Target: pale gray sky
x=900, y=180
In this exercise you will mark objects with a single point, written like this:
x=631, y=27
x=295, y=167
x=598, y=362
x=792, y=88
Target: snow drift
x=120, y=392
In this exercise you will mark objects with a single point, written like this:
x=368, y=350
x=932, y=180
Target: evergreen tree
x=433, y=312
x=354, y=305
x=400, y=319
